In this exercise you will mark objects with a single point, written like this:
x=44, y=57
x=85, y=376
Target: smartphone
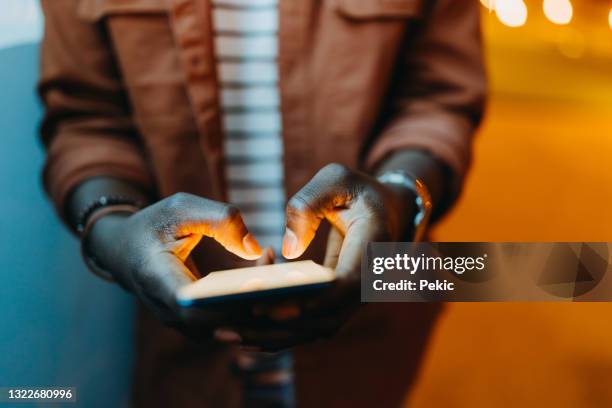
x=257, y=283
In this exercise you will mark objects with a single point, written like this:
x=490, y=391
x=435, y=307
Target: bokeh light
x=571, y=43
x=558, y=11
x=512, y=13
x=489, y=4
x=21, y=22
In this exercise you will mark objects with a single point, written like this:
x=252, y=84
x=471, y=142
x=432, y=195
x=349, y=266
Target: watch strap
x=422, y=200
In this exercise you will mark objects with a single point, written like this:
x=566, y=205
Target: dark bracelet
x=101, y=202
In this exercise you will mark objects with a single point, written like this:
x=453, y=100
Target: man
x=170, y=120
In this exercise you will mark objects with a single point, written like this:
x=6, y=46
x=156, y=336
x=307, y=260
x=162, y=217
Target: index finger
x=326, y=192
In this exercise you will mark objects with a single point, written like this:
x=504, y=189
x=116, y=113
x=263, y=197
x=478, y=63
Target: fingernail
x=252, y=246
x=227, y=336
x=290, y=244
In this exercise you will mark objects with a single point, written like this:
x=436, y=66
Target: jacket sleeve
x=439, y=94
x=87, y=128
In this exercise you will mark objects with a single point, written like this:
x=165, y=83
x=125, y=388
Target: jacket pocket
x=379, y=9
x=93, y=10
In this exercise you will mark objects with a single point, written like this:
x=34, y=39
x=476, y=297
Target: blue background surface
x=59, y=325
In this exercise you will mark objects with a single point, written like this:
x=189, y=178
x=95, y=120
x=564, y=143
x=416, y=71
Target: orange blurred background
x=541, y=172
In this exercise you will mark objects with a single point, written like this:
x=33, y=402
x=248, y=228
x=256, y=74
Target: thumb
x=326, y=193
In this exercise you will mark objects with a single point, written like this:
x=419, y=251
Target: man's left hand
x=361, y=210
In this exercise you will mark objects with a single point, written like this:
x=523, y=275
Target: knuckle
x=373, y=201
x=230, y=212
x=298, y=204
x=337, y=176
x=335, y=170
x=177, y=201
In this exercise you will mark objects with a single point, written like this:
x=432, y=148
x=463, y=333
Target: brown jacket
x=130, y=91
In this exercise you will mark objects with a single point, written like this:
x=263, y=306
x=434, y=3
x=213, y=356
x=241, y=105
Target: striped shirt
x=246, y=49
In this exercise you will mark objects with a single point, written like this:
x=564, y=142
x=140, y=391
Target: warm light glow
x=512, y=13
x=558, y=11
x=610, y=18
x=571, y=43
x=489, y=4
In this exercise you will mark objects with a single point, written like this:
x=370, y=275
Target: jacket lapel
x=191, y=22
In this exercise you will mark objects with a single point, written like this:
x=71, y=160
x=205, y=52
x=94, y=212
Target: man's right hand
x=146, y=252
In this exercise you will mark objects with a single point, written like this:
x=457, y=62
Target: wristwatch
x=423, y=198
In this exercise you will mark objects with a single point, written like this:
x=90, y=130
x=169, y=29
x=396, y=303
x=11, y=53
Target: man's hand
x=146, y=252
x=361, y=210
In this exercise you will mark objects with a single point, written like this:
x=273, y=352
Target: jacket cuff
x=66, y=168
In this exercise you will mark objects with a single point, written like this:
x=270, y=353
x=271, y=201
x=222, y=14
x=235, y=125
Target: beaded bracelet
x=102, y=202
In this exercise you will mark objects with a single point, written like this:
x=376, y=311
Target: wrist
x=404, y=204
x=422, y=166
x=415, y=202
x=98, y=193
x=107, y=226
x=100, y=237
